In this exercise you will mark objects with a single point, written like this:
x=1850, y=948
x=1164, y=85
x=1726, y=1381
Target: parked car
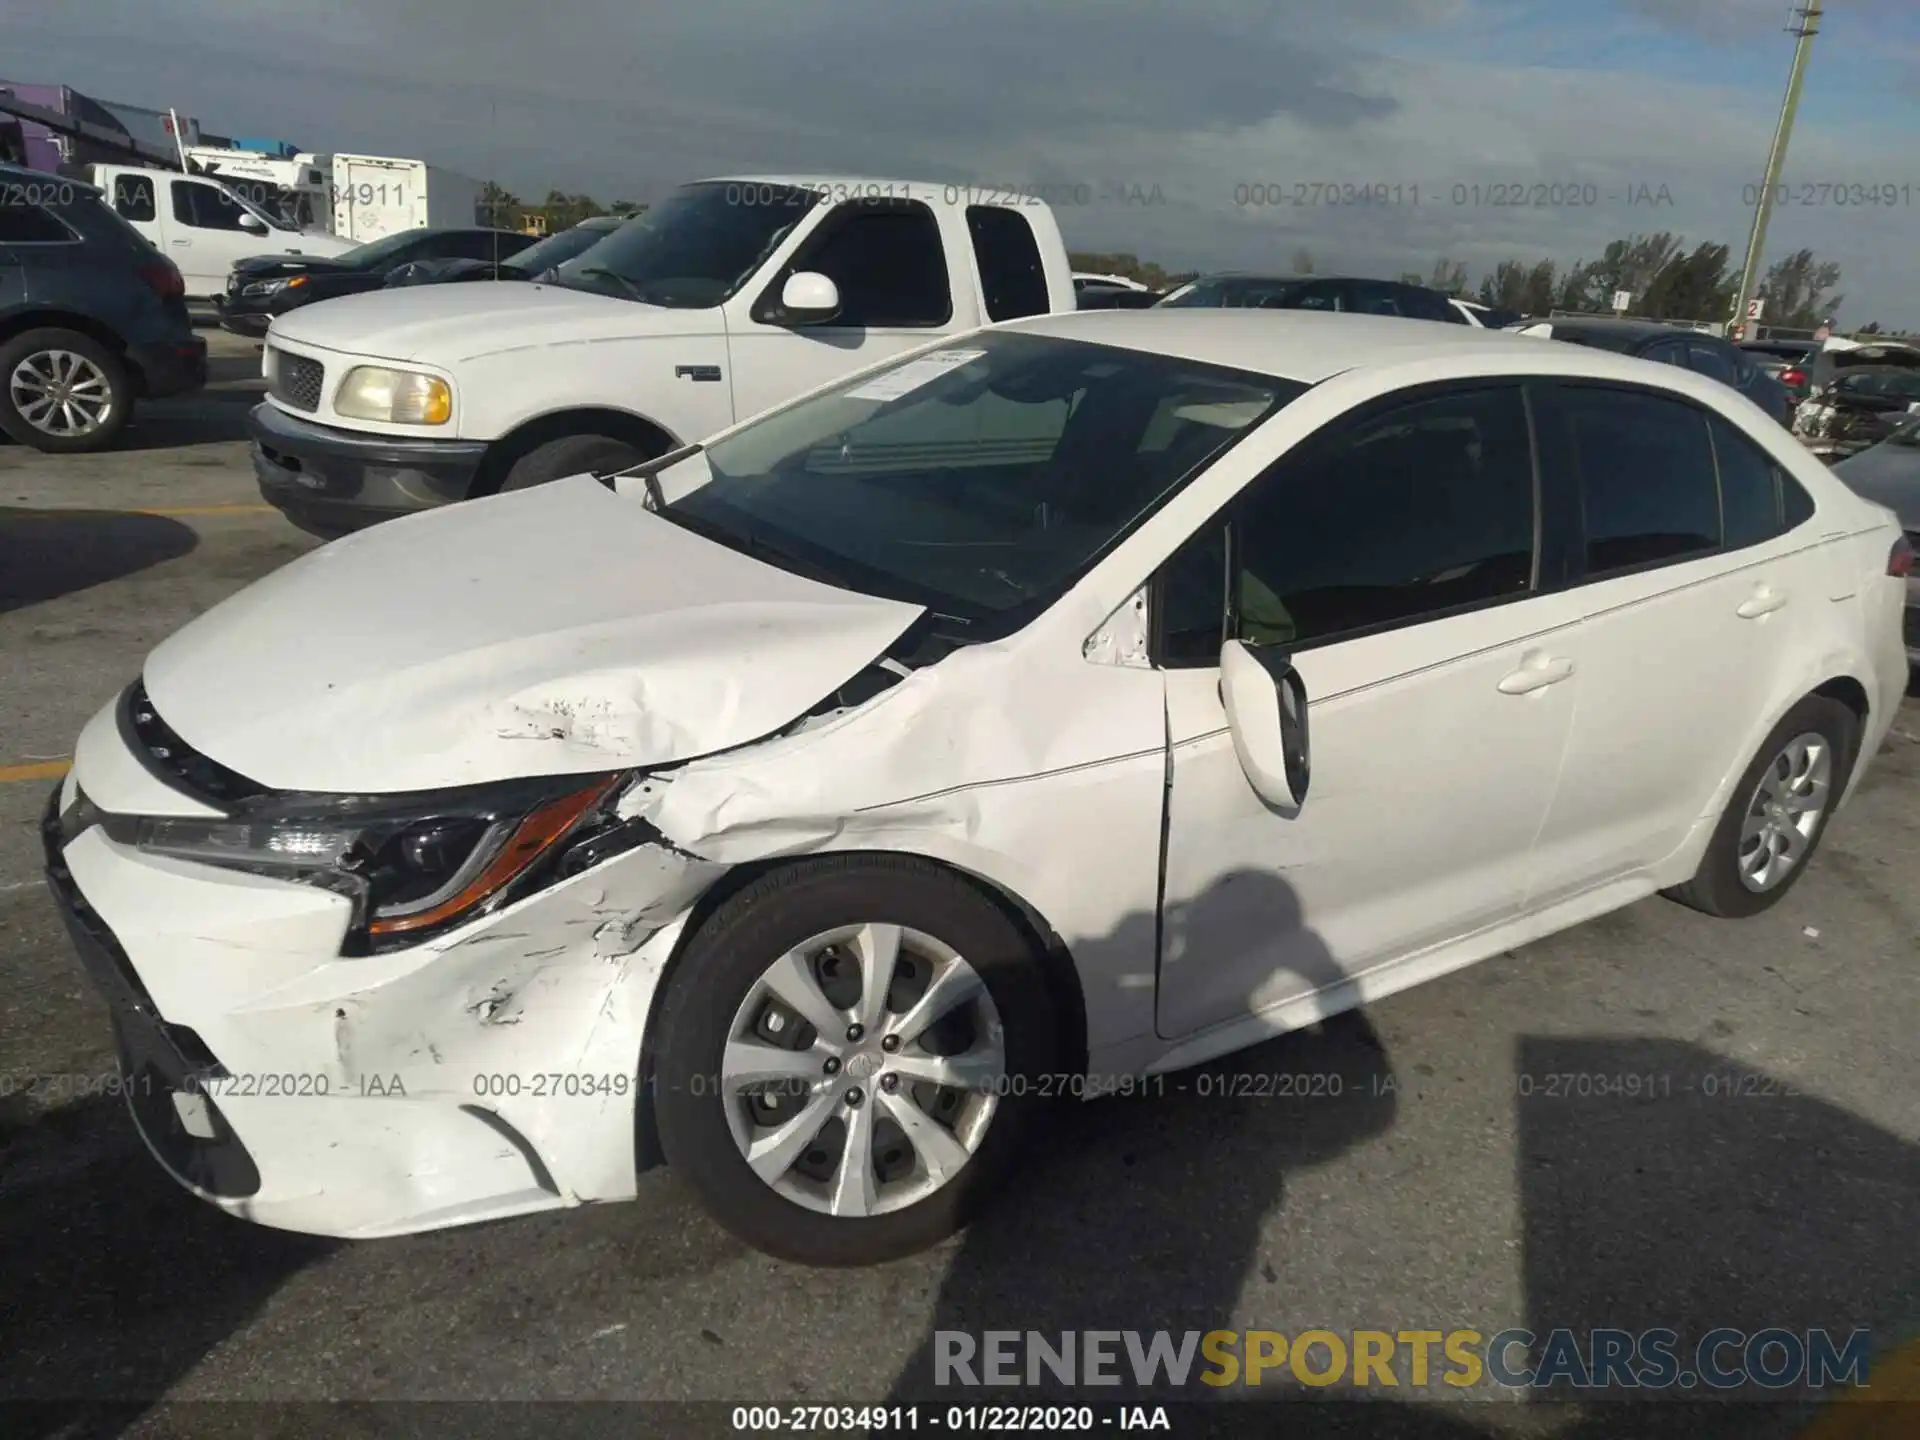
x=814, y=802
x=1889, y=474
x=729, y=296
x=93, y=319
x=1089, y=295
x=1855, y=394
x=1788, y=361
x=265, y=287
x=530, y=264
x=1487, y=317
x=1316, y=292
x=1709, y=355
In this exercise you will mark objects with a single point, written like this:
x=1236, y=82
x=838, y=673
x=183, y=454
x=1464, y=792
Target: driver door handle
x=1536, y=673
x=1765, y=601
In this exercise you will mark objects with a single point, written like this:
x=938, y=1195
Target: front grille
x=295, y=380
x=174, y=762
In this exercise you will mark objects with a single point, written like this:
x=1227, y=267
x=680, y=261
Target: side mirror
x=808, y=298
x=252, y=224
x=1267, y=710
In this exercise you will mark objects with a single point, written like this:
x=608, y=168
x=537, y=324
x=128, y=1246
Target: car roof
x=1313, y=345
x=21, y=175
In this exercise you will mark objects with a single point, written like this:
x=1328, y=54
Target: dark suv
x=92, y=317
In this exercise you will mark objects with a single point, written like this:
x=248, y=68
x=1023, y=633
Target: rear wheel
x=63, y=392
x=1777, y=814
x=571, y=455
x=838, y=1053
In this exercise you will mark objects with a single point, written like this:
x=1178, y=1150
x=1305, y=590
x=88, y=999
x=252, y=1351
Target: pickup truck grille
x=295, y=380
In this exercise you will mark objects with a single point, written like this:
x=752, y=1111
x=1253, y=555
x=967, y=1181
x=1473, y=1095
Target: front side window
x=1013, y=281
x=1419, y=512
x=696, y=248
x=207, y=207
x=887, y=261
x=1643, y=468
x=979, y=479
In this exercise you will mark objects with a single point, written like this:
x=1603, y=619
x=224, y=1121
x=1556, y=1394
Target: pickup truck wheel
x=571, y=455
x=62, y=392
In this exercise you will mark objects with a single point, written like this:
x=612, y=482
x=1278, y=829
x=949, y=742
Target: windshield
x=369, y=255
x=1234, y=293
x=979, y=479
x=557, y=249
x=694, y=249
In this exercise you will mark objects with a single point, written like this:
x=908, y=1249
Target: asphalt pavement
x=1768, y=1174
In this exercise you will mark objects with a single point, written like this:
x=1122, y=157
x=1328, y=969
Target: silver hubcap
x=1785, y=811
x=862, y=1070
x=61, y=393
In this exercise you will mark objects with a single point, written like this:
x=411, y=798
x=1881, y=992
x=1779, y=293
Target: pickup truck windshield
x=980, y=479
x=694, y=249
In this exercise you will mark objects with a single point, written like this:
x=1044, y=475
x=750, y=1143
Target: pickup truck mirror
x=252, y=224
x=808, y=298
x=1266, y=704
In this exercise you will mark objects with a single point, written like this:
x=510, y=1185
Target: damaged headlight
x=414, y=865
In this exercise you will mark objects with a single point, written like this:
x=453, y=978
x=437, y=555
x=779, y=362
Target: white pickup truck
x=726, y=298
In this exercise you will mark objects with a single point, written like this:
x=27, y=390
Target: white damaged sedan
x=800, y=808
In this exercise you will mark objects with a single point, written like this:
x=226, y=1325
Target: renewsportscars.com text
x=1600, y=1359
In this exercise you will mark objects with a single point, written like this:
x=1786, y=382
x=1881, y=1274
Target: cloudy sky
x=1168, y=130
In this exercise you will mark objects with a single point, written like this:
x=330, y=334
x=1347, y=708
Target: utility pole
x=1806, y=24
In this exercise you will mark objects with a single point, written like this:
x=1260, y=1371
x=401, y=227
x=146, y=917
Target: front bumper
x=170, y=367
x=331, y=481
x=488, y=1073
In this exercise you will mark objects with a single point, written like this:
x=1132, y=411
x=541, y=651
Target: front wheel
x=63, y=392
x=571, y=455
x=844, y=1057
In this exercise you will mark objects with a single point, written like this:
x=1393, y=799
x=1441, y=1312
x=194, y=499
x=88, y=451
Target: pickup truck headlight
x=398, y=397
x=413, y=865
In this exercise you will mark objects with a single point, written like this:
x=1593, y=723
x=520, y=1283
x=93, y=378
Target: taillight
x=1900, y=560
x=163, y=278
x=1793, y=377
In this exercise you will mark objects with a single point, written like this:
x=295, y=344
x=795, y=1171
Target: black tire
x=112, y=369
x=727, y=956
x=1716, y=888
x=571, y=455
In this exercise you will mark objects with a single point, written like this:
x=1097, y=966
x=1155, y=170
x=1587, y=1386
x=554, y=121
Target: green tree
x=501, y=207
x=1797, y=289
x=1692, y=287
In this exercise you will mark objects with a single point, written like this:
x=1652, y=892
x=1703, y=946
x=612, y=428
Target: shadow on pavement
x=45, y=554
x=117, y=1282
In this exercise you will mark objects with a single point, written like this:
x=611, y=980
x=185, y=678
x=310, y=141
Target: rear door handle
x=1536, y=673
x=1765, y=601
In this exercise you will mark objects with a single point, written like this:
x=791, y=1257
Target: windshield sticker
x=892, y=384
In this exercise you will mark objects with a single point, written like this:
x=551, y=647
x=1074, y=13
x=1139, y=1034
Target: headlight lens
x=261, y=288
x=397, y=397
x=413, y=865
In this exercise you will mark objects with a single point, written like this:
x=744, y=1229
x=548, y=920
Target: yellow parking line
x=37, y=770
x=1865, y=1414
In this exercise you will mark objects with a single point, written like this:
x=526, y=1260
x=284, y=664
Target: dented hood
x=557, y=630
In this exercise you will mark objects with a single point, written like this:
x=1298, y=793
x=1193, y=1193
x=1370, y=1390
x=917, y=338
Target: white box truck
x=376, y=195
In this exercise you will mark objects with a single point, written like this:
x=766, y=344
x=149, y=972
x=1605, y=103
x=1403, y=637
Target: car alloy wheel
x=1783, y=813
x=61, y=393
x=862, y=1070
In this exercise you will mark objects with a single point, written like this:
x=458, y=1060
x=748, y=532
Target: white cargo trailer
x=375, y=195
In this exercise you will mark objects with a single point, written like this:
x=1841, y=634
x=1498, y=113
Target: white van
x=203, y=226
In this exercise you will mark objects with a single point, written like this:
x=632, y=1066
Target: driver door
x=1394, y=558
x=889, y=259
x=207, y=238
